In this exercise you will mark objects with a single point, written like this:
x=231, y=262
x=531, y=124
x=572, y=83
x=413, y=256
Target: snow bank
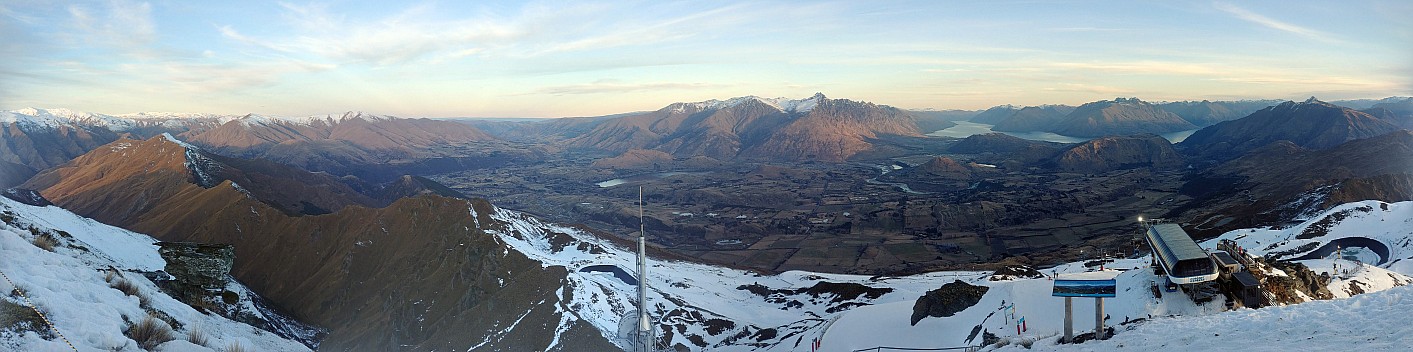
x=1361, y=323
x=70, y=287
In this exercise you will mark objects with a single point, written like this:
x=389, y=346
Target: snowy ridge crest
x=202, y=168
x=783, y=104
x=55, y=118
x=32, y=118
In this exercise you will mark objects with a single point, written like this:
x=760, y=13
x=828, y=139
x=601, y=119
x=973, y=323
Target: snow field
x=69, y=286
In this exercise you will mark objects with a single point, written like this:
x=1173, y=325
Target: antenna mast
x=644, y=331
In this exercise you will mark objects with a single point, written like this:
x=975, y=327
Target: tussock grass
x=149, y=332
x=235, y=347
x=45, y=241
x=198, y=336
x=20, y=317
x=126, y=286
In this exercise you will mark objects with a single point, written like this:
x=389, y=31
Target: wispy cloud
x=418, y=35
x=1272, y=23
x=121, y=23
x=1086, y=29
x=1144, y=67
x=1087, y=88
x=614, y=86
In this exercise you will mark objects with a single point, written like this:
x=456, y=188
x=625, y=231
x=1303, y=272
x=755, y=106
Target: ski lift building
x=1181, y=258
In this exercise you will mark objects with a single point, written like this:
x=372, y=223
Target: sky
x=584, y=58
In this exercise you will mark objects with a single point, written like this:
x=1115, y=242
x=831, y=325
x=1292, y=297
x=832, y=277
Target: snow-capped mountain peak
x=780, y=103
x=54, y=118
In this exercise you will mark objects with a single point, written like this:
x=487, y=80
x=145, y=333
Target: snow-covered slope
x=1368, y=322
x=704, y=307
x=70, y=285
x=1388, y=224
x=711, y=308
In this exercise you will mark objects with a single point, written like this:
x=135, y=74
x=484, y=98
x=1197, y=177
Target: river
x=885, y=169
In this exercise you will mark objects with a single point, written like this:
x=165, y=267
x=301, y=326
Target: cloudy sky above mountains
x=573, y=58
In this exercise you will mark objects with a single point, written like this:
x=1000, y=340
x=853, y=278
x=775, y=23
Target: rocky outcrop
x=950, y=299
x=1299, y=281
x=1012, y=272
x=198, y=270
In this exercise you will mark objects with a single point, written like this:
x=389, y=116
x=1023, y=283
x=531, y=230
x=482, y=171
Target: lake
x=645, y=177
x=965, y=129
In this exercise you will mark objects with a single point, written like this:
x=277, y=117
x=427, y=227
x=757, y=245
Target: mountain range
x=1283, y=180
x=398, y=261
x=1310, y=124
x=1121, y=116
x=370, y=146
x=816, y=128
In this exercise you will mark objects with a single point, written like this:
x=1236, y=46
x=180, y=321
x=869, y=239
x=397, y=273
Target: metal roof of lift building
x=1177, y=243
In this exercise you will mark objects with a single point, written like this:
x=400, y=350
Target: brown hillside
x=117, y=166
x=1116, y=153
x=418, y=274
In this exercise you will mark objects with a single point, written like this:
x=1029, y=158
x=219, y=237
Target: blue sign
x=1085, y=288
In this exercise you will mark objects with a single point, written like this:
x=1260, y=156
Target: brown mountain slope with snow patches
x=420, y=273
x=129, y=173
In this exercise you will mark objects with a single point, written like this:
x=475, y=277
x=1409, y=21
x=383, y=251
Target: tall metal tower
x=643, y=337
